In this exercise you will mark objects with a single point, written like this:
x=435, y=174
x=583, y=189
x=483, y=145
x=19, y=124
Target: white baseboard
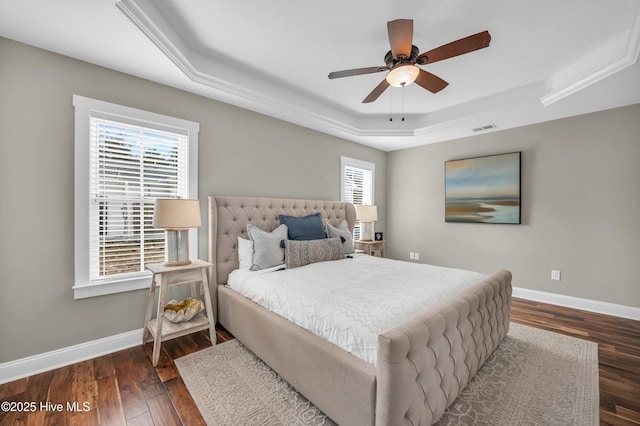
x=14, y=370
x=606, y=308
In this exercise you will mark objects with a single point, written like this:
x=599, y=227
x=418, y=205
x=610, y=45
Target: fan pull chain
x=403, y=86
x=390, y=106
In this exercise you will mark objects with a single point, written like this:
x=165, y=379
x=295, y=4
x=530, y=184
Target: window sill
x=110, y=287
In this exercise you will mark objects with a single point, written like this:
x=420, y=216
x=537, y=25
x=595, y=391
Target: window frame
x=85, y=108
x=360, y=164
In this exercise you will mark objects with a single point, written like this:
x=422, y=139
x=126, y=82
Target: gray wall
x=580, y=207
x=241, y=153
x=580, y=195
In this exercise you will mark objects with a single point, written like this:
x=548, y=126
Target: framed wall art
x=483, y=189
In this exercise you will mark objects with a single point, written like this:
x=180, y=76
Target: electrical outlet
x=416, y=256
x=555, y=275
x=412, y=255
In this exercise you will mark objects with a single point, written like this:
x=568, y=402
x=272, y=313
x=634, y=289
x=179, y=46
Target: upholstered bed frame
x=423, y=363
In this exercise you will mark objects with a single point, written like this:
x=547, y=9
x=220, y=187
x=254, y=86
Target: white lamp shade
x=176, y=214
x=366, y=213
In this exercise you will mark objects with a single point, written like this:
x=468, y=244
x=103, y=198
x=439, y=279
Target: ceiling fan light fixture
x=402, y=60
x=402, y=75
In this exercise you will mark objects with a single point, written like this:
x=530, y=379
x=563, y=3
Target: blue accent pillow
x=304, y=228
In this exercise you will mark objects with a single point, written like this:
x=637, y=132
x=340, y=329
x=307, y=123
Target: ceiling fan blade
x=431, y=82
x=376, y=92
x=400, y=37
x=357, y=71
x=455, y=48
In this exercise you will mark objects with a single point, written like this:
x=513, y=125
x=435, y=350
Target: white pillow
x=245, y=253
x=342, y=231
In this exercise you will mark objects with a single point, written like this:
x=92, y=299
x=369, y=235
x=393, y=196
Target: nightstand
x=165, y=277
x=370, y=246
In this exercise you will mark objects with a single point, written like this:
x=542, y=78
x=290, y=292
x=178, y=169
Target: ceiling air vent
x=483, y=128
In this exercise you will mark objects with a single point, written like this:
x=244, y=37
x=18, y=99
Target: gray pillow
x=267, y=249
x=300, y=253
x=342, y=231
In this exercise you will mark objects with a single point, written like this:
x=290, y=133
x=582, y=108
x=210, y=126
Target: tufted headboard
x=229, y=216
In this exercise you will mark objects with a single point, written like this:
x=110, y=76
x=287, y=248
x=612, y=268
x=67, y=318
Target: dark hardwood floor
x=618, y=353
x=123, y=388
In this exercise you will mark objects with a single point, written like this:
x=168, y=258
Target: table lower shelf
x=171, y=330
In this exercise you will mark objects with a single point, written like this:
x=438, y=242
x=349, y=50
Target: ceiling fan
x=402, y=60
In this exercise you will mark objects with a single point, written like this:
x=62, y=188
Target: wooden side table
x=160, y=330
x=370, y=246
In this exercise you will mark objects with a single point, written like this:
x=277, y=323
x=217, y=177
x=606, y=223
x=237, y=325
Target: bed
x=422, y=363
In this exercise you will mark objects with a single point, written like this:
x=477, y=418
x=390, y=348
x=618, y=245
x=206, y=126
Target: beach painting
x=483, y=189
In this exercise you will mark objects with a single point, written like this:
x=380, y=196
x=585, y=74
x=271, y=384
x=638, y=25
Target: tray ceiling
x=547, y=59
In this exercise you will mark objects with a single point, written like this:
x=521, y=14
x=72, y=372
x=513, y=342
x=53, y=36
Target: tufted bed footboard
x=424, y=363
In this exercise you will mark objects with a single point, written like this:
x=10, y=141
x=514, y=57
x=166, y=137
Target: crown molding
x=269, y=100
x=268, y=96
x=628, y=58
x=146, y=18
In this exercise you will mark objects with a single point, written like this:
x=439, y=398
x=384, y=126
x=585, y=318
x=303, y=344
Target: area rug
x=535, y=377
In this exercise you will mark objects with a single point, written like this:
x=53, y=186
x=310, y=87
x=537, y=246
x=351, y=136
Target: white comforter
x=350, y=302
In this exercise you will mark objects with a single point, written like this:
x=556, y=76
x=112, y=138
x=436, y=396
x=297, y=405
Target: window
x=357, y=184
x=125, y=159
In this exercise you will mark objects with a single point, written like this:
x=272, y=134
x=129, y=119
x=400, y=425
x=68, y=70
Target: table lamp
x=366, y=215
x=176, y=216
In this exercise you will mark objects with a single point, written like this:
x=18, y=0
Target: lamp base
x=176, y=247
x=366, y=231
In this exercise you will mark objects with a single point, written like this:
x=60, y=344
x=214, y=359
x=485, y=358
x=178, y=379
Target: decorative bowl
x=184, y=310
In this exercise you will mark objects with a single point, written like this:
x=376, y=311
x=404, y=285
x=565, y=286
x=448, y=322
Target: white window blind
x=357, y=184
x=125, y=158
x=131, y=166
